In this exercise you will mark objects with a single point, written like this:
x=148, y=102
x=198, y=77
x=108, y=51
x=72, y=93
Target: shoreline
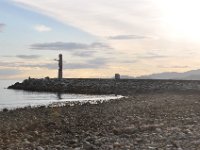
x=141, y=121
x=156, y=114
x=93, y=99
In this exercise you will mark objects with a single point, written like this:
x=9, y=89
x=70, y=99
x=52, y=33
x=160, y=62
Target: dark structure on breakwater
x=60, y=66
x=106, y=86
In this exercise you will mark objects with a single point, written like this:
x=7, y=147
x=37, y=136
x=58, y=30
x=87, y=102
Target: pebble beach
x=140, y=121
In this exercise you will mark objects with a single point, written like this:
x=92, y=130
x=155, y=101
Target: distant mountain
x=126, y=77
x=189, y=75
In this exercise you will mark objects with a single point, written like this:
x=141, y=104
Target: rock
x=90, y=139
x=88, y=146
x=36, y=132
x=153, y=148
x=130, y=130
x=26, y=141
x=126, y=130
x=5, y=110
x=40, y=148
x=116, y=145
x=13, y=131
x=72, y=142
x=29, y=137
x=150, y=127
x=158, y=130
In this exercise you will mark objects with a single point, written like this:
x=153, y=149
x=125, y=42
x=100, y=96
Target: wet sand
x=142, y=121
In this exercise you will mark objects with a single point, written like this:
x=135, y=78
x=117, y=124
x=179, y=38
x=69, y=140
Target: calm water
x=17, y=98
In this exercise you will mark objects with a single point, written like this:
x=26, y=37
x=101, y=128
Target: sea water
x=11, y=99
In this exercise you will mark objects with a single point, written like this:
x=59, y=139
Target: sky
x=98, y=38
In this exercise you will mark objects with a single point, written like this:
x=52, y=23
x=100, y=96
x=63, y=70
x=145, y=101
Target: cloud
x=54, y=66
x=28, y=56
x=88, y=64
x=2, y=26
x=25, y=56
x=69, y=46
x=83, y=66
x=128, y=61
x=175, y=67
x=95, y=63
x=99, y=61
x=84, y=53
x=150, y=55
x=10, y=64
x=127, y=37
x=100, y=17
x=9, y=72
x=42, y=28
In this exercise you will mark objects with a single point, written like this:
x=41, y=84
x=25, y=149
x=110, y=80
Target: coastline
x=141, y=121
x=155, y=114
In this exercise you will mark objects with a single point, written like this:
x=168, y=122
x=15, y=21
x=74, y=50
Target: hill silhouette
x=189, y=75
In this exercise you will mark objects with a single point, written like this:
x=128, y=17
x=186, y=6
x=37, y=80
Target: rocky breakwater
x=81, y=86
x=106, y=86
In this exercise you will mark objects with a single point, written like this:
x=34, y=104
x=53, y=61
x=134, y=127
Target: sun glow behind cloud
x=181, y=18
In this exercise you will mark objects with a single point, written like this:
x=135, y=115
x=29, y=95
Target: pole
x=60, y=67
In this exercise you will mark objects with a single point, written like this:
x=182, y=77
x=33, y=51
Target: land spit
x=160, y=119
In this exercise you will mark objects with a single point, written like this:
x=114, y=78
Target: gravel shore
x=140, y=122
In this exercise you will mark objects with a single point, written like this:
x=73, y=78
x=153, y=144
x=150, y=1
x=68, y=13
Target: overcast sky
x=98, y=38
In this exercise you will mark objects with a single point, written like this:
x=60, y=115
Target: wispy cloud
x=24, y=56
x=100, y=17
x=127, y=37
x=9, y=72
x=150, y=55
x=28, y=56
x=94, y=63
x=87, y=53
x=12, y=64
x=42, y=28
x=174, y=67
x=68, y=46
x=2, y=25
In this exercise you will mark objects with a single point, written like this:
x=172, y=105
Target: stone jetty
x=105, y=86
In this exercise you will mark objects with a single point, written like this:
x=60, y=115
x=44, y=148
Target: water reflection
x=59, y=96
